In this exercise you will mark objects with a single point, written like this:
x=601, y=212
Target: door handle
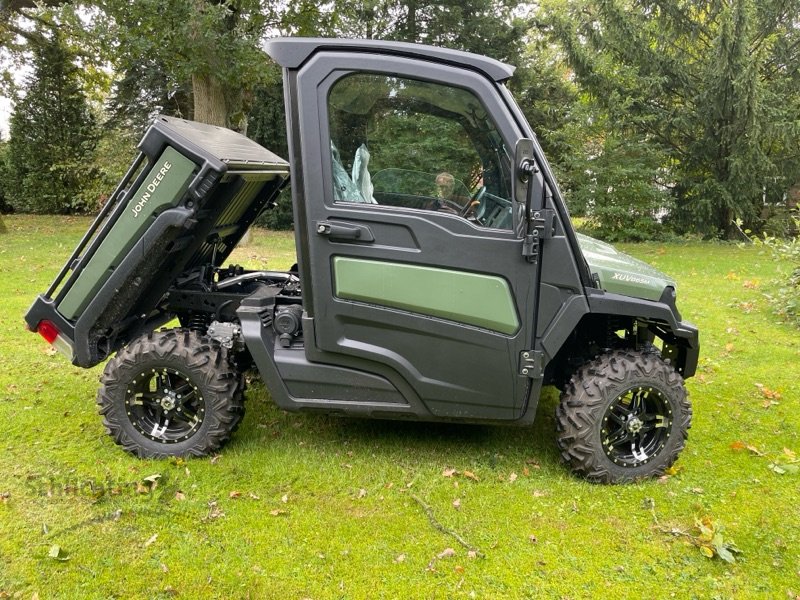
x=345, y=231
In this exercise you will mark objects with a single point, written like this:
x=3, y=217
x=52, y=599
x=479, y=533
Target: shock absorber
x=198, y=322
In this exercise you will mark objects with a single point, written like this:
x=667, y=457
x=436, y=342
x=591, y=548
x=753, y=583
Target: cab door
x=410, y=260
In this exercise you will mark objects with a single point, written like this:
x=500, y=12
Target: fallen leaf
x=526, y=471
x=399, y=558
x=362, y=493
x=784, y=469
x=151, y=539
x=254, y=496
x=767, y=392
x=539, y=494
x=215, y=459
x=512, y=478
x=449, y=472
x=471, y=475
x=707, y=551
x=738, y=445
x=472, y=554
x=179, y=495
x=235, y=494
x=446, y=553
x=57, y=553
x=4, y=496
x=458, y=569
x=214, y=511
x=285, y=498
x=277, y=512
x=457, y=503
x=755, y=450
x=148, y=484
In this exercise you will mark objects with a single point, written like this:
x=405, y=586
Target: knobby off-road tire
x=623, y=416
x=171, y=393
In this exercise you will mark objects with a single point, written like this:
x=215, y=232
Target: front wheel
x=171, y=393
x=623, y=416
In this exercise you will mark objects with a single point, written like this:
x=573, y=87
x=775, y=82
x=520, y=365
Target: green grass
x=351, y=525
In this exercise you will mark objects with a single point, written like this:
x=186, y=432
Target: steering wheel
x=470, y=210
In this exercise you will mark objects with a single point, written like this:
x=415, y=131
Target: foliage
x=144, y=89
x=52, y=136
x=267, y=126
x=786, y=251
x=211, y=46
x=615, y=184
x=5, y=179
x=711, y=86
x=488, y=27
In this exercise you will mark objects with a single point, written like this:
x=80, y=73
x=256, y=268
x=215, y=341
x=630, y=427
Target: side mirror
x=523, y=160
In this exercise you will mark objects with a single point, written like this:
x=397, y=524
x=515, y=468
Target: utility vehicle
x=438, y=276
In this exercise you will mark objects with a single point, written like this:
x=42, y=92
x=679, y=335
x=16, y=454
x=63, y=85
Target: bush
x=280, y=217
x=786, y=297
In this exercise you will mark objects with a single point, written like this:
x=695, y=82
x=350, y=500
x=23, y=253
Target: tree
x=52, y=135
x=4, y=207
x=211, y=46
x=711, y=86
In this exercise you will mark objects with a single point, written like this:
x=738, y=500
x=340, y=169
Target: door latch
x=344, y=231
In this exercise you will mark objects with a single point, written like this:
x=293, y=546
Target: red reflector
x=48, y=331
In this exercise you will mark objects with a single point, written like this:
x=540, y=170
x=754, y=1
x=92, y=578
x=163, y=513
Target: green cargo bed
x=186, y=201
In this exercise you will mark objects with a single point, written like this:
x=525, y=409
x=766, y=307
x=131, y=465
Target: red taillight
x=48, y=331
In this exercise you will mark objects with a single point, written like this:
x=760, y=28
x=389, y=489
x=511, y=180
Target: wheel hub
x=168, y=402
x=634, y=425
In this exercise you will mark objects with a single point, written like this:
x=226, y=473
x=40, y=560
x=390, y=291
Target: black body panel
x=292, y=53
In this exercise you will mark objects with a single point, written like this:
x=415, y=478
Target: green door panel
x=470, y=298
x=164, y=186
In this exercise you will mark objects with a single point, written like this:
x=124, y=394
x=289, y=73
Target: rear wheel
x=171, y=393
x=623, y=416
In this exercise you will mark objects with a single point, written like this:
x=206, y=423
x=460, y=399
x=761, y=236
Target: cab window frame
x=485, y=91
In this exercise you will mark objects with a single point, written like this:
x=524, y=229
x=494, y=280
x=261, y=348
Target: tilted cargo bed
x=186, y=201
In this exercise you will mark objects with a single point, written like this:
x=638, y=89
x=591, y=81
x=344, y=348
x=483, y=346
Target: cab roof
x=291, y=53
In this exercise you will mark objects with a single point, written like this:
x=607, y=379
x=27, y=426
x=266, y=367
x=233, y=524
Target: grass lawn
x=316, y=507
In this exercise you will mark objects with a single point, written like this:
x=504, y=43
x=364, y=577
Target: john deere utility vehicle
x=438, y=276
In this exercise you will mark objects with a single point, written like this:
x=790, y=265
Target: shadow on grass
x=394, y=440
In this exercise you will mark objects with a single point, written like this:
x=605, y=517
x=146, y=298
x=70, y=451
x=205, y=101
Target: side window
x=419, y=145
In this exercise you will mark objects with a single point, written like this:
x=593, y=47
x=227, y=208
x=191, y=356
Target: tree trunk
x=215, y=105
x=2, y=225
x=210, y=103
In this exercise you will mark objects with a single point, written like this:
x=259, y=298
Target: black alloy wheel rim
x=164, y=405
x=636, y=426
